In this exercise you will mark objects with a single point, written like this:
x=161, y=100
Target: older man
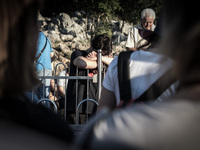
x=136, y=34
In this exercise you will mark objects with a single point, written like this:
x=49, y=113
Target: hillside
x=69, y=33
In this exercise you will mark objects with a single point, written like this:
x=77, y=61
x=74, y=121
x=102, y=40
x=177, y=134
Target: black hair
x=102, y=42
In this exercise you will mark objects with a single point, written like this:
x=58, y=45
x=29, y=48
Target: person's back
x=43, y=64
x=45, y=58
x=146, y=67
x=168, y=126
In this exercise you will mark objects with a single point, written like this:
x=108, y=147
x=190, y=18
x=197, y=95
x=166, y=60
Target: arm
x=61, y=92
x=62, y=83
x=52, y=54
x=52, y=84
x=131, y=49
x=85, y=63
x=107, y=100
x=106, y=60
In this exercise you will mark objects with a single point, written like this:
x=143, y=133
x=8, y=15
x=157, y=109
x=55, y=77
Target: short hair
x=18, y=45
x=102, y=42
x=148, y=13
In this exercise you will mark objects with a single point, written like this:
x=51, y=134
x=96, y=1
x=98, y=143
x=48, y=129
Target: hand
x=92, y=56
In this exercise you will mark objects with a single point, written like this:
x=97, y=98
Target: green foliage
x=109, y=7
x=128, y=10
x=131, y=10
x=104, y=28
x=102, y=10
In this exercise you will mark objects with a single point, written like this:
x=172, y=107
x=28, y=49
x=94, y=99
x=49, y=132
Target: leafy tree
x=101, y=11
x=128, y=10
x=131, y=10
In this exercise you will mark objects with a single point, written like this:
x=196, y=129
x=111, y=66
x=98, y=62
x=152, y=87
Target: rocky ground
x=68, y=33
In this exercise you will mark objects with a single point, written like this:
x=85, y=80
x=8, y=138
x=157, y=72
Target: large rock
x=65, y=20
x=67, y=33
x=54, y=36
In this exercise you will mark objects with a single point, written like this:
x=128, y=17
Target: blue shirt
x=45, y=58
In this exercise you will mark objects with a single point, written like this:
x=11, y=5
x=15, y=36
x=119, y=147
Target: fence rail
x=66, y=77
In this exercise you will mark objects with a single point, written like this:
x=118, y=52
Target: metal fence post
x=99, y=73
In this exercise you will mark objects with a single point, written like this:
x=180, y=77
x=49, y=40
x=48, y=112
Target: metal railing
x=41, y=79
x=99, y=64
x=48, y=100
x=77, y=78
x=77, y=108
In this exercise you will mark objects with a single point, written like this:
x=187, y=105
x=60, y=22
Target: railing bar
x=77, y=118
x=67, y=77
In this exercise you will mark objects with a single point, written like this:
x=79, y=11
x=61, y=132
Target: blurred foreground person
x=174, y=124
x=23, y=124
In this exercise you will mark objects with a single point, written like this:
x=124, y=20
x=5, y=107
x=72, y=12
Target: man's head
x=147, y=18
x=102, y=42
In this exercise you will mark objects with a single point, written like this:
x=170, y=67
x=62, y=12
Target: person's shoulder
x=76, y=54
x=42, y=36
x=153, y=27
x=113, y=63
x=143, y=53
x=139, y=119
x=139, y=26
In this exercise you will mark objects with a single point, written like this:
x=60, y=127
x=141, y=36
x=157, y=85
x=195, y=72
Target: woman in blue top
x=43, y=64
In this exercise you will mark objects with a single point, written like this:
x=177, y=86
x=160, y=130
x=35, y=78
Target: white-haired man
x=136, y=33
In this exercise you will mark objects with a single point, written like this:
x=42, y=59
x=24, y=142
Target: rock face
x=69, y=33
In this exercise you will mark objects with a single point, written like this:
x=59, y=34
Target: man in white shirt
x=136, y=33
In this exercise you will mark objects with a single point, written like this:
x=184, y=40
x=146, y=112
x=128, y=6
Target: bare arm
x=107, y=100
x=131, y=49
x=52, y=55
x=85, y=63
x=61, y=91
x=106, y=60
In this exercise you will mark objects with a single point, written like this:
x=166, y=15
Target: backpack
x=151, y=94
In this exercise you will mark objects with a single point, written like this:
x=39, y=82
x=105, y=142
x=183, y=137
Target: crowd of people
x=170, y=121
x=141, y=37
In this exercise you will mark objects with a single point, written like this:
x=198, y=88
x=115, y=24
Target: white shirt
x=134, y=38
x=145, y=68
x=62, y=82
x=173, y=125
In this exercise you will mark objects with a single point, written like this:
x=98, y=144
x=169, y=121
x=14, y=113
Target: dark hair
x=18, y=44
x=102, y=42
